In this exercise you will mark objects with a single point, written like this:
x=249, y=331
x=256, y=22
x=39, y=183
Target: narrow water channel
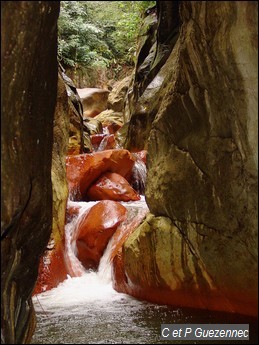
x=87, y=310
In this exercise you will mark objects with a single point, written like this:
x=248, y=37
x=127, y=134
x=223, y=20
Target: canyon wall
x=29, y=86
x=199, y=112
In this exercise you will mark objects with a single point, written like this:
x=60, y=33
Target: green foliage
x=99, y=33
x=80, y=41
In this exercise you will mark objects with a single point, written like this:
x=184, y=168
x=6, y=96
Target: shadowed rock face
x=29, y=83
x=52, y=268
x=202, y=165
x=158, y=35
x=78, y=140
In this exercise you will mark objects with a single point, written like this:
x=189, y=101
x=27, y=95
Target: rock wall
x=202, y=165
x=78, y=139
x=52, y=268
x=29, y=83
x=158, y=35
x=58, y=169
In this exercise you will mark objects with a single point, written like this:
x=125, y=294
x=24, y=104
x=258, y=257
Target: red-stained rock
x=113, y=127
x=119, y=278
x=97, y=138
x=83, y=169
x=107, y=143
x=52, y=269
x=112, y=186
x=141, y=155
x=102, y=142
x=95, y=230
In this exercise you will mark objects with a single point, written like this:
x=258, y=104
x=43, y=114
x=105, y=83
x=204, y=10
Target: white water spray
x=91, y=287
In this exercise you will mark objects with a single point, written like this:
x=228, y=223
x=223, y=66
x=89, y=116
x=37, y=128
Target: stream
x=87, y=310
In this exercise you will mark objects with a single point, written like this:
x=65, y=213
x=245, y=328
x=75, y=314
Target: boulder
x=134, y=218
x=160, y=248
x=102, y=142
x=83, y=170
x=92, y=126
x=112, y=186
x=95, y=229
x=94, y=101
x=117, y=96
x=112, y=128
x=109, y=117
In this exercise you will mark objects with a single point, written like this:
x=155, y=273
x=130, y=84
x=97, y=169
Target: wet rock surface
x=83, y=170
x=112, y=186
x=95, y=230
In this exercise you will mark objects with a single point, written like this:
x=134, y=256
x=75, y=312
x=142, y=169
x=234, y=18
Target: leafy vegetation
x=99, y=33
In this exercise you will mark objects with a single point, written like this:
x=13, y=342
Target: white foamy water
x=87, y=310
x=93, y=286
x=79, y=295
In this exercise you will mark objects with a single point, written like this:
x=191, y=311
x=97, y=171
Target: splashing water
x=88, y=286
x=103, y=143
x=139, y=173
x=87, y=310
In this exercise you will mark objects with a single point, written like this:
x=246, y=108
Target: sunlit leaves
x=95, y=33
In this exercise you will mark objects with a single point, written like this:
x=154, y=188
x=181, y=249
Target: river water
x=87, y=310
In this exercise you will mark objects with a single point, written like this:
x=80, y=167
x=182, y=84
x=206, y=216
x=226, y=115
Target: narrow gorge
x=142, y=195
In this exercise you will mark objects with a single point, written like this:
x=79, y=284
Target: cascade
x=139, y=172
x=74, y=266
x=103, y=143
x=136, y=212
x=86, y=292
x=85, y=308
x=107, y=139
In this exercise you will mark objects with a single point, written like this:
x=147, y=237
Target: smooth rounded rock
x=95, y=230
x=83, y=169
x=112, y=186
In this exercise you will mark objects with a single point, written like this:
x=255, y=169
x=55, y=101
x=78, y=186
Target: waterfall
x=103, y=143
x=74, y=266
x=139, y=172
x=82, y=286
x=136, y=212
